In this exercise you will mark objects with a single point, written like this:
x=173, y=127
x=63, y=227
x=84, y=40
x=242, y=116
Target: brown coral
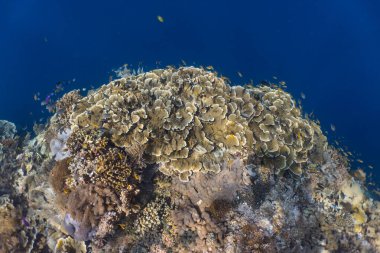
x=85, y=206
x=190, y=120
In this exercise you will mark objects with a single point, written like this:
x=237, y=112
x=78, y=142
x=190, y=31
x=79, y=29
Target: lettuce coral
x=189, y=120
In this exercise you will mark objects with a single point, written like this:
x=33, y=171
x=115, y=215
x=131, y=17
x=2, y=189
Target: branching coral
x=69, y=245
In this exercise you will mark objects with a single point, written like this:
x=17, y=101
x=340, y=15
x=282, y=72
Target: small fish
x=47, y=99
x=183, y=63
x=359, y=161
x=240, y=74
x=274, y=77
x=35, y=97
x=25, y=222
x=160, y=19
x=210, y=67
x=58, y=87
x=303, y=96
x=283, y=83
x=370, y=166
x=333, y=128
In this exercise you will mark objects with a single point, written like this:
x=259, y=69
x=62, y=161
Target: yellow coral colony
x=189, y=120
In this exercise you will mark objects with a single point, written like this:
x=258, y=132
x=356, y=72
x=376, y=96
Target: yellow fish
x=160, y=19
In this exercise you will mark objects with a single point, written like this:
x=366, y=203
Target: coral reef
x=58, y=146
x=190, y=120
x=178, y=160
x=7, y=130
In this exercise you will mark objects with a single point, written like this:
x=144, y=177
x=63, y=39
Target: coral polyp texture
x=180, y=160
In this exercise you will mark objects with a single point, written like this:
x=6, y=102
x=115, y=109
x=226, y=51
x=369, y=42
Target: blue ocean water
x=327, y=50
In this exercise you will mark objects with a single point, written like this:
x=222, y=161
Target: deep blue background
x=328, y=49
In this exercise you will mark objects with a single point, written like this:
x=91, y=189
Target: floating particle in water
x=333, y=128
x=303, y=96
x=240, y=74
x=160, y=19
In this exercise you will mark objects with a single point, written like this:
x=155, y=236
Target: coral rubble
x=178, y=160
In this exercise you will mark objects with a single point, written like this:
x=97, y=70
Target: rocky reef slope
x=178, y=160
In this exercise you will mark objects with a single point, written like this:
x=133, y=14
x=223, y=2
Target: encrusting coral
x=178, y=160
